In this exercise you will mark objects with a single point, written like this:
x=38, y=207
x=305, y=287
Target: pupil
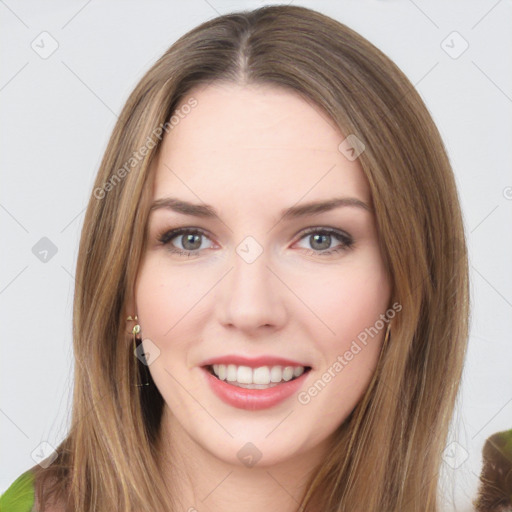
x=325, y=245
x=187, y=238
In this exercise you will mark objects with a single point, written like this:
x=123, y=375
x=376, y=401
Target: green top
x=19, y=497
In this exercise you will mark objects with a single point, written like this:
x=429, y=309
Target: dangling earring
x=135, y=331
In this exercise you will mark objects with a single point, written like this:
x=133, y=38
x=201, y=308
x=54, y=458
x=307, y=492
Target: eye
x=189, y=238
x=321, y=238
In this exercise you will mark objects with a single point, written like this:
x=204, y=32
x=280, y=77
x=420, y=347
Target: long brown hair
x=387, y=454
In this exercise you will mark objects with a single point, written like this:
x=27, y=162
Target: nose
x=251, y=296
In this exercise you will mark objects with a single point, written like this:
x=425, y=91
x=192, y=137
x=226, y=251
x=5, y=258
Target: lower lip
x=253, y=399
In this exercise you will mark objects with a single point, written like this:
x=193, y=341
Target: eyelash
x=346, y=240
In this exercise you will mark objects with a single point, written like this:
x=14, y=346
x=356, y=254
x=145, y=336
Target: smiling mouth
x=263, y=377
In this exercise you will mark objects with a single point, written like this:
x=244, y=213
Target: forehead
x=259, y=139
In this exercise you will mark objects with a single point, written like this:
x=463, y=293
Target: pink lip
x=253, y=399
x=252, y=362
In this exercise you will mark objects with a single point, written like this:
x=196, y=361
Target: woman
x=271, y=307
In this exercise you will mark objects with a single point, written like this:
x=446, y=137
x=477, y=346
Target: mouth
x=262, y=377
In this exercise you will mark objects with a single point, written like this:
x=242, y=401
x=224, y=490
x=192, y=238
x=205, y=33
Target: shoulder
x=19, y=497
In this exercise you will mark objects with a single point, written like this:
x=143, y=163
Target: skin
x=251, y=151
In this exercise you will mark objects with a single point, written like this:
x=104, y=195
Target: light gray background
x=58, y=113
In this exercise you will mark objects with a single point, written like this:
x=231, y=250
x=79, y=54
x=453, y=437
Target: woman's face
x=254, y=289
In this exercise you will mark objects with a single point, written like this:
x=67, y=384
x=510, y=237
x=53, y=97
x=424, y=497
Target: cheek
x=165, y=301
x=347, y=300
x=164, y=298
x=349, y=304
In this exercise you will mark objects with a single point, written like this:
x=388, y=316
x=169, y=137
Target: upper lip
x=252, y=362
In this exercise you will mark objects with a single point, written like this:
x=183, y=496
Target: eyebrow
x=306, y=209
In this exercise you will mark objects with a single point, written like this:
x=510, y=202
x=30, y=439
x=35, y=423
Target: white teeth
x=261, y=376
x=231, y=373
x=288, y=373
x=276, y=374
x=298, y=371
x=244, y=375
